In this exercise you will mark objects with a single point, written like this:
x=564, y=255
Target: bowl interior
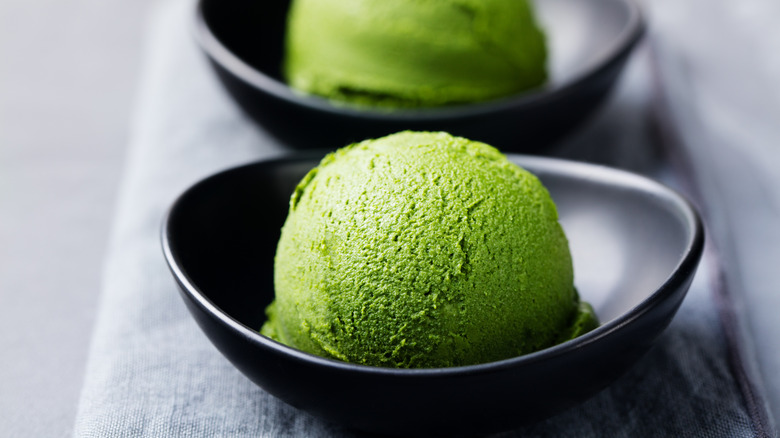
x=583, y=34
x=628, y=235
x=247, y=38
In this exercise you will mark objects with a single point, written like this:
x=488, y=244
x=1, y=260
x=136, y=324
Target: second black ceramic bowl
x=635, y=246
x=590, y=41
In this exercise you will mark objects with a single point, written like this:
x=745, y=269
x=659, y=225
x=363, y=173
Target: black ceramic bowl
x=636, y=246
x=590, y=41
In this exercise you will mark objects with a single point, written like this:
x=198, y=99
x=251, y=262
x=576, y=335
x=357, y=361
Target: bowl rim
x=221, y=55
x=686, y=264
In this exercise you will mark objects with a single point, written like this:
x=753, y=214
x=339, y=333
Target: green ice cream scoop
x=413, y=53
x=423, y=250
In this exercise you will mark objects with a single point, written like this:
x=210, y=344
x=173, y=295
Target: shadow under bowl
x=589, y=43
x=635, y=245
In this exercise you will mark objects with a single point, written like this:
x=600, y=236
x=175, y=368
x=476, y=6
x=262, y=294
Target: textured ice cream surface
x=413, y=53
x=423, y=250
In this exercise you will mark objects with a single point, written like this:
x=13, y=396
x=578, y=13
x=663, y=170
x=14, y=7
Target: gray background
x=68, y=75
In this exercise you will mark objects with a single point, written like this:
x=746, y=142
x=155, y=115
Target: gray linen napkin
x=152, y=373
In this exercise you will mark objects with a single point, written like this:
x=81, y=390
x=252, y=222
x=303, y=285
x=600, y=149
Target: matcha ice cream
x=423, y=250
x=413, y=53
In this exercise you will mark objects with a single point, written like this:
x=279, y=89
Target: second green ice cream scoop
x=423, y=250
x=414, y=53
